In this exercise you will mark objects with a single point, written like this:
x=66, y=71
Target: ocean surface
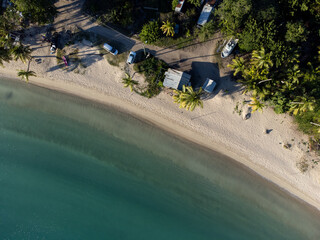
x=73, y=169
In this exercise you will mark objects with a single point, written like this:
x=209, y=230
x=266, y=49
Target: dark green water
x=71, y=169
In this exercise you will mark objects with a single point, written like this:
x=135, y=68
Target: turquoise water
x=71, y=169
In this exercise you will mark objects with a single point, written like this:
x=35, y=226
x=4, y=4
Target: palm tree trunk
x=29, y=64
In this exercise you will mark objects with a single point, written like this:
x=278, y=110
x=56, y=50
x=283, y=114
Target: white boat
x=226, y=51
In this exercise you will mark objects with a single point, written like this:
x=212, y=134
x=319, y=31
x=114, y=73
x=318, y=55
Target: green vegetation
x=196, y=3
x=174, y=4
x=10, y=45
x=168, y=28
x=129, y=82
x=153, y=70
x=121, y=14
x=281, y=66
x=39, y=11
x=188, y=98
x=26, y=74
x=150, y=32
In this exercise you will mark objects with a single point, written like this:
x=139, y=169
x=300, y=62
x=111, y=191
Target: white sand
x=215, y=126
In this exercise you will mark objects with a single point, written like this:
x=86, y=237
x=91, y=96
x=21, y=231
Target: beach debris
x=287, y=145
x=267, y=131
x=303, y=165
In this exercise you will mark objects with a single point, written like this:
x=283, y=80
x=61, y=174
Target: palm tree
x=26, y=74
x=168, y=28
x=21, y=52
x=305, y=104
x=256, y=105
x=188, y=98
x=237, y=65
x=129, y=82
x=261, y=59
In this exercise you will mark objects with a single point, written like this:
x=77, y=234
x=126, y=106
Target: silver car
x=131, y=57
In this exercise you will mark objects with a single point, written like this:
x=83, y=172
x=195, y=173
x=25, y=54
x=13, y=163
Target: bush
x=296, y=32
x=150, y=32
x=174, y=4
x=153, y=70
x=206, y=31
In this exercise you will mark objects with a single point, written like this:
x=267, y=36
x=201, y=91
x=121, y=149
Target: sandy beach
x=217, y=126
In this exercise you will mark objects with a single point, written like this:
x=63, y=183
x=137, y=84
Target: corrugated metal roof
x=205, y=14
x=176, y=79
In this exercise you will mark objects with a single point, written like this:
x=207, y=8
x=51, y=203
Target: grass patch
x=59, y=55
x=153, y=69
x=176, y=43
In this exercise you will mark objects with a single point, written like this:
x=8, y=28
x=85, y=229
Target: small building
x=179, y=6
x=176, y=79
x=209, y=85
x=206, y=12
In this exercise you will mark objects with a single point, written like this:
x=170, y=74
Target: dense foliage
x=40, y=11
x=10, y=45
x=150, y=32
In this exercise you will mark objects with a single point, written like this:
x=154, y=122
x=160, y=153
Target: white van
x=110, y=49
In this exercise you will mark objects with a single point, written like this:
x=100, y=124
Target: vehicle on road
x=131, y=57
x=110, y=49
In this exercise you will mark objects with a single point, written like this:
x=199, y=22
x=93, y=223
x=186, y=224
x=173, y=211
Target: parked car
x=110, y=49
x=131, y=57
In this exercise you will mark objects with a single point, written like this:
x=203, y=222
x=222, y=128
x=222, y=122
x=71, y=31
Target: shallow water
x=72, y=169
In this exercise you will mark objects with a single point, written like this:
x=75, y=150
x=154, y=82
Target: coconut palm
x=302, y=105
x=21, y=52
x=261, y=59
x=188, y=98
x=256, y=105
x=26, y=74
x=168, y=28
x=237, y=65
x=129, y=82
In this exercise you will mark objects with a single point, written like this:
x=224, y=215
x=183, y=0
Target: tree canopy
x=41, y=11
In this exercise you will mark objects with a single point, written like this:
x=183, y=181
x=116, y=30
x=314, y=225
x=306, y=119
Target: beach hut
x=176, y=79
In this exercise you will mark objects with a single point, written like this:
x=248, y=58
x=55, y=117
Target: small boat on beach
x=226, y=51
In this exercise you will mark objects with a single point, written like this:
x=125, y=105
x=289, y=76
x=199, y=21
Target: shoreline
x=171, y=126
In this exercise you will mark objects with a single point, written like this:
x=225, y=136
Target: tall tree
x=261, y=59
x=21, y=52
x=26, y=74
x=188, y=98
x=150, y=32
x=238, y=65
x=168, y=28
x=233, y=14
x=41, y=11
x=296, y=32
x=129, y=82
